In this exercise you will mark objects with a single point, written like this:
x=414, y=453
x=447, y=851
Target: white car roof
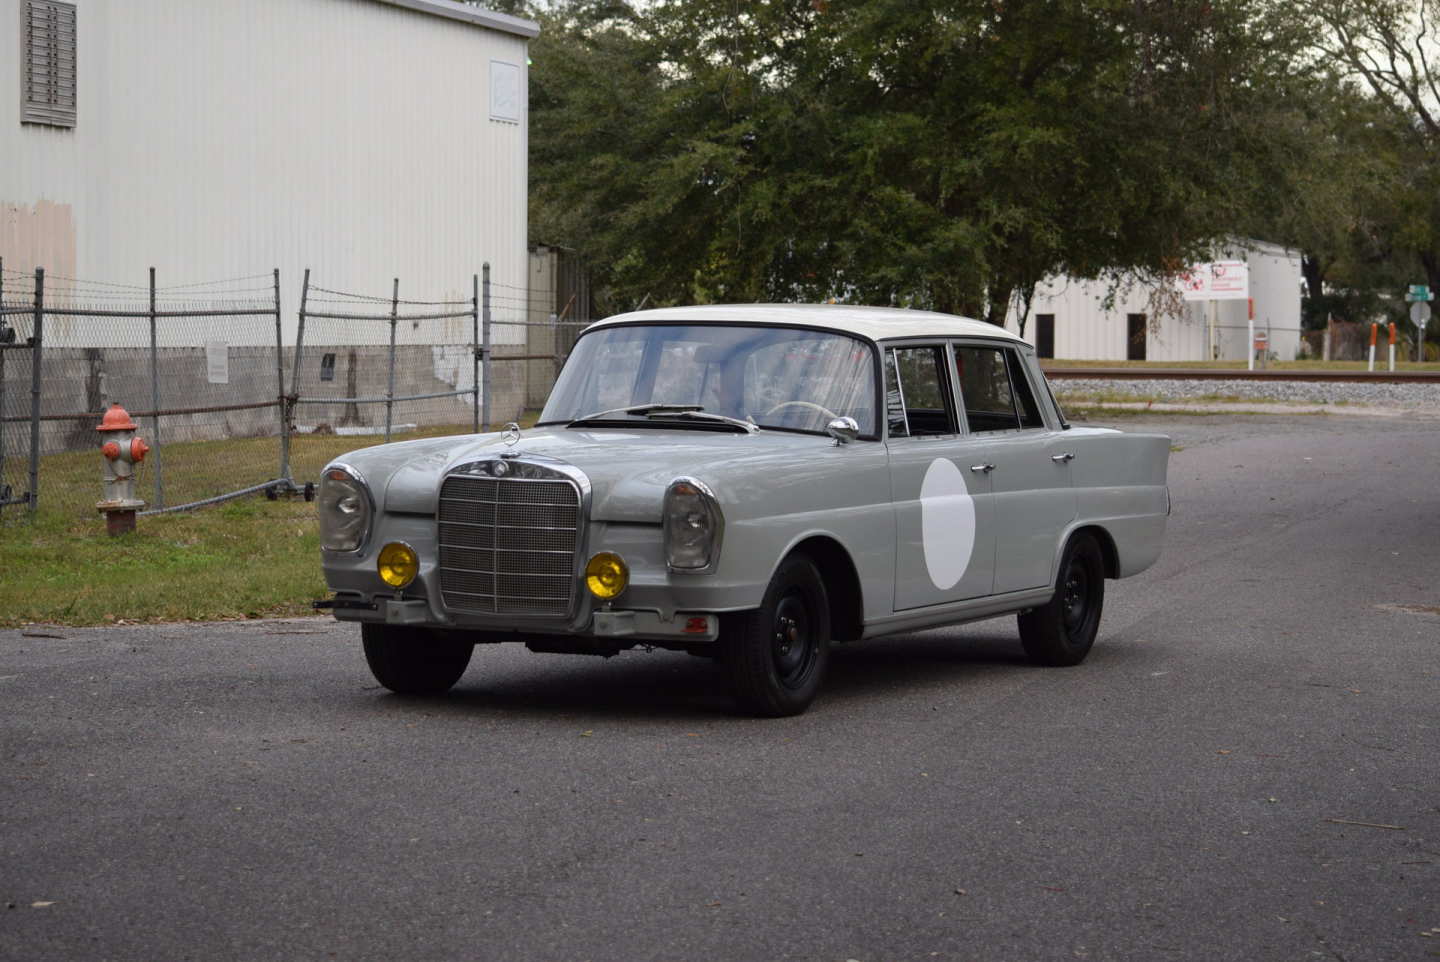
x=875, y=323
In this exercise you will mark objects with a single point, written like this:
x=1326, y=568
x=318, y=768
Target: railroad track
x=1214, y=374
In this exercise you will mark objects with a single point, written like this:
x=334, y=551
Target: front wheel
x=414, y=661
x=1062, y=631
x=776, y=655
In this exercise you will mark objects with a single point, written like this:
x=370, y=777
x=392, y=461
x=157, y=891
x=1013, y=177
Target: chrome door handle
x=982, y=468
x=1063, y=457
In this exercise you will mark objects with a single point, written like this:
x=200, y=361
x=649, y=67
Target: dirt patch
x=1431, y=610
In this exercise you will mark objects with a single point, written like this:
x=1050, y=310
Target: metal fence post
x=390, y=388
x=485, y=348
x=290, y=402
x=35, y=385
x=4, y=324
x=284, y=474
x=155, y=399
x=474, y=348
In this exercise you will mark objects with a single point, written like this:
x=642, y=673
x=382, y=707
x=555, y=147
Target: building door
x=1135, y=340
x=1045, y=335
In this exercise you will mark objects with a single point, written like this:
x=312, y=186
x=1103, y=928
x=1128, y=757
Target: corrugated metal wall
x=1085, y=329
x=223, y=139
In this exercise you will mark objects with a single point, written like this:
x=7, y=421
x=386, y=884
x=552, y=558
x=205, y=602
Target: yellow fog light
x=398, y=564
x=606, y=575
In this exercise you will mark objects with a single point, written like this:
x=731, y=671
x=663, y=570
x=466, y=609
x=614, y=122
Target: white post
x=1250, y=357
x=1392, y=355
x=1373, y=329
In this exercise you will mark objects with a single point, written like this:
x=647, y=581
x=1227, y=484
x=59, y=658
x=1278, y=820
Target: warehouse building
x=364, y=139
x=1096, y=320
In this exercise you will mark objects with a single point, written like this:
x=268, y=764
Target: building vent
x=47, y=32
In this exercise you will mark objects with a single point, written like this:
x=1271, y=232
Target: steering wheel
x=810, y=405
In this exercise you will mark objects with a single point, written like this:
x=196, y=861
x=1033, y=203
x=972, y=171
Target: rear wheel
x=414, y=661
x=1062, y=631
x=776, y=655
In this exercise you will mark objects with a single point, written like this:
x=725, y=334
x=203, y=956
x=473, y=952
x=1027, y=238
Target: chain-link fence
x=229, y=408
x=529, y=331
x=373, y=368
x=19, y=389
x=195, y=365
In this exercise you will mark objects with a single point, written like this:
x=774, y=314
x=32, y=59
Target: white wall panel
x=222, y=139
x=1086, y=330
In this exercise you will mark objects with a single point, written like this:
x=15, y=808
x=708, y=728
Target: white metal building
x=364, y=139
x=1070, y=318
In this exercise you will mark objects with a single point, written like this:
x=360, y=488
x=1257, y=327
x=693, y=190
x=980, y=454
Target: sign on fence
x=217, y=362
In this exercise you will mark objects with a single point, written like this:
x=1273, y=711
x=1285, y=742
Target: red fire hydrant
x=122, y=451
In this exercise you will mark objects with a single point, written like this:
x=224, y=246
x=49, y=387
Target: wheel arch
x=1108, y=551
x=842, y=583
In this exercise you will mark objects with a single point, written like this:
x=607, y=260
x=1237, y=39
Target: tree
x=934, y=154
x=1392, y=50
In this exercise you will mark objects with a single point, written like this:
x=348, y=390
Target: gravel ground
x=1403, y=396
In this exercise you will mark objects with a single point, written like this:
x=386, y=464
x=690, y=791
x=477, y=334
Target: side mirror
x=843, y=430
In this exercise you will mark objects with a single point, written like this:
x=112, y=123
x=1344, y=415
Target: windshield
x=782, y=378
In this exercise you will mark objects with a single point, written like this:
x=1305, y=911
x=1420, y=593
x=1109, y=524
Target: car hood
x=629, y=470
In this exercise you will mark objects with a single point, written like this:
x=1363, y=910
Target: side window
x=917, y=396
x=1025, y=404
x=985, y=389
x=995, y=390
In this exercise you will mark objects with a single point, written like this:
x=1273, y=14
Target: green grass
x=246, y=558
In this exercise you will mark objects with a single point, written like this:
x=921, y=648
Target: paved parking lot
x=1243, y=769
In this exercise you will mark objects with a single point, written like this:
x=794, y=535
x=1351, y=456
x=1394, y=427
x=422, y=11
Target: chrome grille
x=508, y=545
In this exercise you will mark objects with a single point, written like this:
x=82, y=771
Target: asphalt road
x=1245, y=768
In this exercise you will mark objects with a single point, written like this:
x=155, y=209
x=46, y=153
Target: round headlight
x=398, y=564
x=606, y=575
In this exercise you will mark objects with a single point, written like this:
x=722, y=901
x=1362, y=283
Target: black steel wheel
x=1062, y=631
x=414, y=661
x=776, y=655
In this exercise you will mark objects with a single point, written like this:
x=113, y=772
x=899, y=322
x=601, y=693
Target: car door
x=939, y=484
x=1032, y=497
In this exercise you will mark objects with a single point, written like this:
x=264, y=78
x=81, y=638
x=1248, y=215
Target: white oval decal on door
x=947, y=523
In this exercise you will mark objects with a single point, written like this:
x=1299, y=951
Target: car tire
x=1061, y=632
x=414, y=661
x=776, y=655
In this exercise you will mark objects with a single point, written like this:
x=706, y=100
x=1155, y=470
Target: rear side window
x=917, y=395
x=1025, y=405
x=995, y=391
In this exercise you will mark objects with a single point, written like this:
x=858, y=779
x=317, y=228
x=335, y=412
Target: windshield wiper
x=750, y=427
x=689, y=411
x=635, y=409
